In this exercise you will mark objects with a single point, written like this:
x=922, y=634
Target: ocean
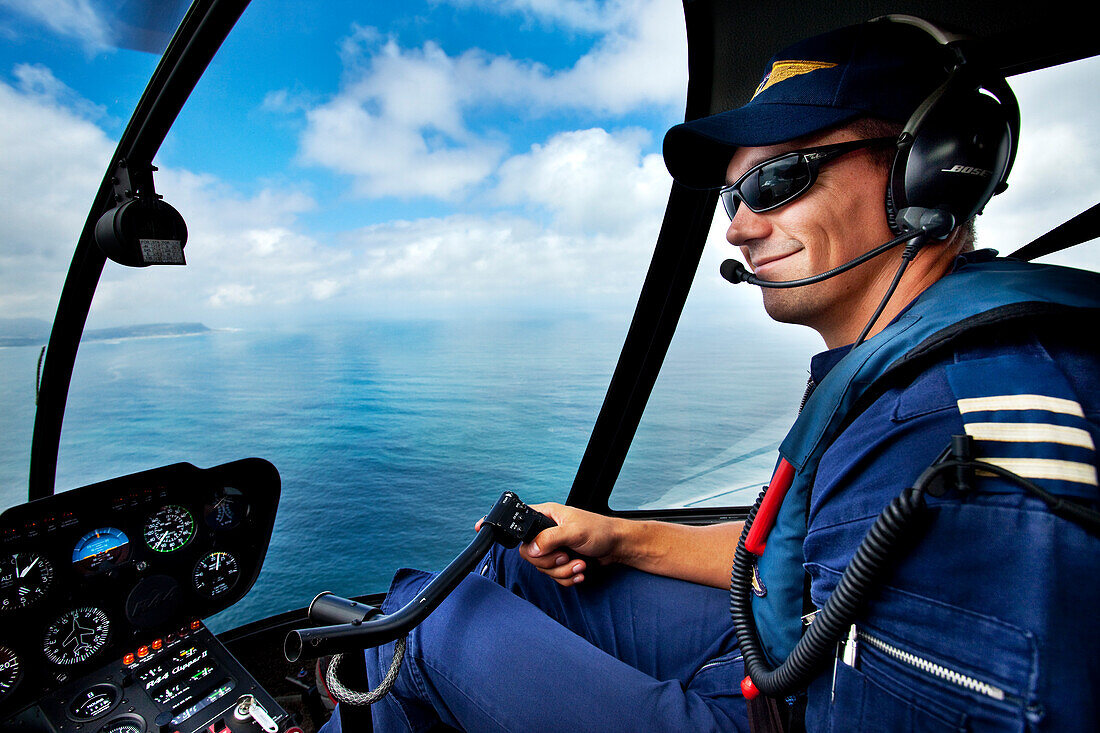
x=393, y=438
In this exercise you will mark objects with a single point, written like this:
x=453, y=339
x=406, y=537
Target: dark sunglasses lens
x=776, y=183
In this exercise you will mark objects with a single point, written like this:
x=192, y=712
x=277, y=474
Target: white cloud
x=469, y=260
x=388, y=157
x=75, y=18
x=242, y=250
x=400, y=124
x=249, y=257
x=397, y=124
x=641, y=63
x=591, y=180
x=52, y=165
x=230, y=295
x=101, y=25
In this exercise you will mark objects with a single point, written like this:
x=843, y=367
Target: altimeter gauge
x=25, y=577
x=76, y=636
x=11, y=671
x=169, y=528
x=216, y=573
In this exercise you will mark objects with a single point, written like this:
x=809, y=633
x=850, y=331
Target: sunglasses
x=780, y=180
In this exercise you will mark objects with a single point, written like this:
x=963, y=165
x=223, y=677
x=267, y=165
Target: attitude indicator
x=101, y=549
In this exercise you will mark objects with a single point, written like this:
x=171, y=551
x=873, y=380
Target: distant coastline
x=34, y=332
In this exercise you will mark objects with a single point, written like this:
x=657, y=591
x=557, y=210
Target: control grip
x=540, y=522
x=516, y=523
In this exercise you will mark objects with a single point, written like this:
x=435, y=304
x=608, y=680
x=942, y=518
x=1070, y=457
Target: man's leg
x=510, y=650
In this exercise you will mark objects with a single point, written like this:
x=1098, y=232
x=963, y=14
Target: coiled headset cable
x=880, y=547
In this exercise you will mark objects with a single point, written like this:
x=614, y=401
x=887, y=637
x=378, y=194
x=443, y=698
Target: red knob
x=748, y=689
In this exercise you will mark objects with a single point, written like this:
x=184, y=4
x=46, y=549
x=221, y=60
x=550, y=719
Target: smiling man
x=842, y=219
x=984, y=623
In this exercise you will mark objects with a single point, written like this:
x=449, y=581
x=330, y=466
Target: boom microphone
x=928, y=223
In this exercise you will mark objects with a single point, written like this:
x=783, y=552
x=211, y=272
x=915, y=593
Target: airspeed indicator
x=169, y=528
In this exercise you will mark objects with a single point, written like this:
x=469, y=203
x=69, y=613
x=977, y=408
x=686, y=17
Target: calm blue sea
x=392, y=438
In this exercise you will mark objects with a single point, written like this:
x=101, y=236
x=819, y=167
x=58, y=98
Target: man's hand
x=697, y=554
x=585, y=533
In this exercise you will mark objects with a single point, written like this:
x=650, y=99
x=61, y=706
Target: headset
x=953, y=155
x=958, y=146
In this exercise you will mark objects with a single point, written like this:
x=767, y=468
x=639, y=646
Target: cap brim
x=698, y=152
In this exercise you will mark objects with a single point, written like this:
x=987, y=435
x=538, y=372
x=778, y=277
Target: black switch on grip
x=514, y=522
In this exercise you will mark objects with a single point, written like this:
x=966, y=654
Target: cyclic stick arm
x=355, y=625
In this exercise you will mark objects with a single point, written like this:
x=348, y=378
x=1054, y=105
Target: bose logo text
x=968, y=170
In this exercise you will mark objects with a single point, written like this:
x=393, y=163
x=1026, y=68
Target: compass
x=76, y=636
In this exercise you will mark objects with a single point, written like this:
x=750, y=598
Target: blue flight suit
x=986, y=625
x=510, y=650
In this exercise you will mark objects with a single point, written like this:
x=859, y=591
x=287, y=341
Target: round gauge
x=216, y=573
x=95, y=701
x=24, y=579
x=11, y=671
x=225, y=510
x=125, y=724
x=169, y=528
x=101, y=549
x=76, y=636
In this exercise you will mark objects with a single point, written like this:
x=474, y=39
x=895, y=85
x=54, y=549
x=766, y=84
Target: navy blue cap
x=876, y=69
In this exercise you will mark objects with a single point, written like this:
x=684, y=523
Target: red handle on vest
x=769, y=508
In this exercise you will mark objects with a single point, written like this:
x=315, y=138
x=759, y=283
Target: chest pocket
x=908, y=672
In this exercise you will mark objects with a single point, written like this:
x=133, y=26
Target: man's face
x=842, y=216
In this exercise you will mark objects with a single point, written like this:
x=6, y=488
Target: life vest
x=973, y=297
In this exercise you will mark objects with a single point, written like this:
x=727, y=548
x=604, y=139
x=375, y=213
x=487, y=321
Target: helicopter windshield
x=416, y=238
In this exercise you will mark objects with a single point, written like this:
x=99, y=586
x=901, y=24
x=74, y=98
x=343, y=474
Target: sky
x=417, y=159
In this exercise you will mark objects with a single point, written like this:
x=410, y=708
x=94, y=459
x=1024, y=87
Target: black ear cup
x=957, y=158
x=958, y=145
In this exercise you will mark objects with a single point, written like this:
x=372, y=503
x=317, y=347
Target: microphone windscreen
x=734, y=271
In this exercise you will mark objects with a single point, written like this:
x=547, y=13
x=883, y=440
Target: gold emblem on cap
x=783, y=70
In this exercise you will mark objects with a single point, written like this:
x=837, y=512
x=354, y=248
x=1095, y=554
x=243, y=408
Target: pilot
x=986, y=621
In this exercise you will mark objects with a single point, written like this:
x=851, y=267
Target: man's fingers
x=571, y=580
x=562, y=568
x=568, y=574
x=547, y=541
